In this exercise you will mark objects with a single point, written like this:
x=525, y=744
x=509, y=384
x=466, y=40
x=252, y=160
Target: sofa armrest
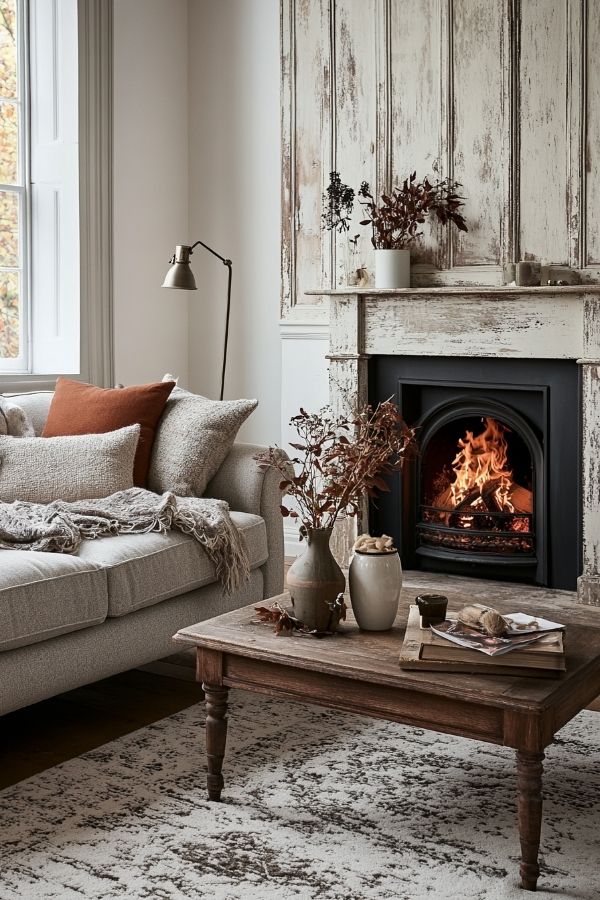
x=247, y=488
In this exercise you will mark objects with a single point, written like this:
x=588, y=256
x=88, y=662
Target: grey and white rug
x=316, y=805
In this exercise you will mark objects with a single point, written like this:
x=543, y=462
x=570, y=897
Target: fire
x=482, y=464
x=477, y=501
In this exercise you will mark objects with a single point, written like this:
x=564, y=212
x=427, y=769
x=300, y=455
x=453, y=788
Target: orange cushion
x=79, y=408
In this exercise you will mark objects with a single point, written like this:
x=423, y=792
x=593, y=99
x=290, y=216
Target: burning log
x=521, y=498
x=481, y=499
x=483, y=484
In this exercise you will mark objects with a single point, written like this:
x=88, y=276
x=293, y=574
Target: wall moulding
x=463, y=92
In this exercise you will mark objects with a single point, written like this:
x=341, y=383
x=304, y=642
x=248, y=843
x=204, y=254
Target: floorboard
x=41, y=736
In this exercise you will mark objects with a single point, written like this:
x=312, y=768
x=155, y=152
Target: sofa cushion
x=143, y=569
x=81, y=467
x=79, y=408
x=14, y=421
x=193, y=438
x=36, y=404
x=46, y=594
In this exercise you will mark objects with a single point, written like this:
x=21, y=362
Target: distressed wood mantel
x=514, y=322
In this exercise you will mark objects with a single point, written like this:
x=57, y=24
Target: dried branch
x=341, y=460
x=338, y=204
x=396, y=218
x=284, y=622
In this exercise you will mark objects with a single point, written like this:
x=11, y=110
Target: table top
x=372, y=657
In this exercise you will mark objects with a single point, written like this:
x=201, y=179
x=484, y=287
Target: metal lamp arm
x=226, y=262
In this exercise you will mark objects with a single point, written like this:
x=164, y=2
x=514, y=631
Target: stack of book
x=451, y=647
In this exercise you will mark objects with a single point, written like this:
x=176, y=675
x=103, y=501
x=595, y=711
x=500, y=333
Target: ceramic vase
x=375, y=584
x=392, y=269
x=314, y=581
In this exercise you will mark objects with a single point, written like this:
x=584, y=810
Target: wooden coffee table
x=358, y=672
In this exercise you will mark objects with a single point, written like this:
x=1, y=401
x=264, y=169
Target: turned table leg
x=216, y=735
x=529, y=793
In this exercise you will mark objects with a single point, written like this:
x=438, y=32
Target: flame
x=482, y=459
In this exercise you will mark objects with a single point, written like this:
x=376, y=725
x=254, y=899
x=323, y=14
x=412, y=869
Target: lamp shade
x=180, y=275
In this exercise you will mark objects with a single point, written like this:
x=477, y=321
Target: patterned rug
x=317, y=805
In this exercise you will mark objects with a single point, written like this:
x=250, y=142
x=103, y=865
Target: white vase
x=392, y=269
x=375, y=581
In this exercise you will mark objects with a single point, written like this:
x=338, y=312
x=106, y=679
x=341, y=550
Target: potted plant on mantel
x=343, y=460
x=395, y=219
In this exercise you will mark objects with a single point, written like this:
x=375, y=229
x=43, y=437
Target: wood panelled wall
x=502, y=95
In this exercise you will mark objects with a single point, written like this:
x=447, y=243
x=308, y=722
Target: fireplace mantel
x=550, y=322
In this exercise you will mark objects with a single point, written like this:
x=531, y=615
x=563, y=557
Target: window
x=14, y=191
x=39, y=188
x=55, y=191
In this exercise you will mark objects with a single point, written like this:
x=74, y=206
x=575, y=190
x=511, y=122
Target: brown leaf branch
x=396, y=218
x=342, y=460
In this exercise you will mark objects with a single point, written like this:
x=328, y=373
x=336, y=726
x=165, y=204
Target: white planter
x=392, y=269
x=375, y=581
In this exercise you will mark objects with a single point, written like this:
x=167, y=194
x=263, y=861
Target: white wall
x=235, y=202
x=197, y=155
x=304, y=383
x=150, y=186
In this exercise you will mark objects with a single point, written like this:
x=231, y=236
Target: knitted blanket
x=60, y=527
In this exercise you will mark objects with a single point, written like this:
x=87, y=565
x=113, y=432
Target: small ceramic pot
x=392, y=269
x=375, y=583
x=432, y=609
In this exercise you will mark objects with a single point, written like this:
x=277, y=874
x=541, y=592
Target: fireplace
x=526, y=357
x=493, y=488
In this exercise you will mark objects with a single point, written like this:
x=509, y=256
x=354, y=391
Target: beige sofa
x=69, y=620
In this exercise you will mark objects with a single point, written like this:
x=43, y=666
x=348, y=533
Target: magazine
x=468, y=637
x=521, y=623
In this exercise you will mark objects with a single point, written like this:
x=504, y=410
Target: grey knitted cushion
x=81, y=467
x=193, y=437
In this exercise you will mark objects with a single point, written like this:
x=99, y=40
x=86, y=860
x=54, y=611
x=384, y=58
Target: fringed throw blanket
x=60, y=527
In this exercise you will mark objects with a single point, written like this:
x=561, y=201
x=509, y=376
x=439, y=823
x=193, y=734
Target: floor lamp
x=181, y=277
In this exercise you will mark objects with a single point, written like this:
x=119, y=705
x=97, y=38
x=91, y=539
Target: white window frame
x=21, y=363
x=95, y=40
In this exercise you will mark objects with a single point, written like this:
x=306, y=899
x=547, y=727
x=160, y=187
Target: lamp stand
x=228, y=263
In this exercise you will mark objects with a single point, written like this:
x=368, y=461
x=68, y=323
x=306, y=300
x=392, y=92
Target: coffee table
x=358, y=672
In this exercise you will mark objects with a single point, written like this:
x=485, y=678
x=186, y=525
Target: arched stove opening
x=445, y=523
x=476, y=488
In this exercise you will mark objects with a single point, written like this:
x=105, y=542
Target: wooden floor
x=40, y=736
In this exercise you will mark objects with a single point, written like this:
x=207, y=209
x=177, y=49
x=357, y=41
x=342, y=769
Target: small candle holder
x=432, y=609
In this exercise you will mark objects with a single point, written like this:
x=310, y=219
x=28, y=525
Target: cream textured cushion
x=145, y=569
x=193, y=438
x=14, y=420
x=35, y=405
x=81, y=467
x=43, y=595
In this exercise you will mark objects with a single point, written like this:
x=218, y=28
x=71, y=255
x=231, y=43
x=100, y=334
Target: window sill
x=20, y=383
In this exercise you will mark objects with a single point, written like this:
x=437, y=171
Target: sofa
x=69, y=620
